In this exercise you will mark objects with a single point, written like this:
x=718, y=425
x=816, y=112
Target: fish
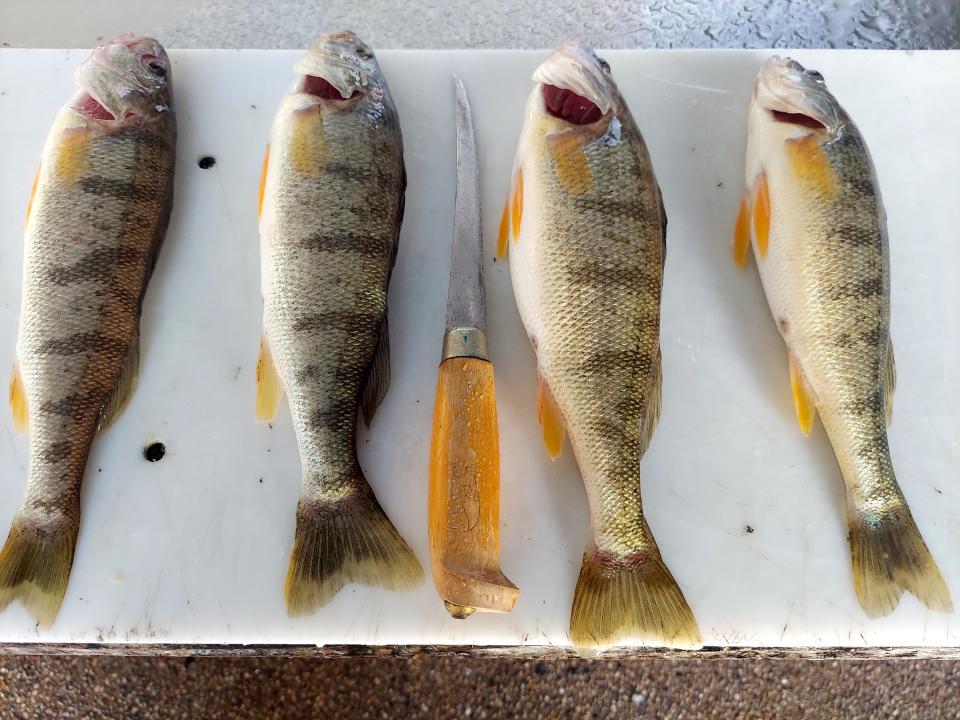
x=331, y=205
x=585, y=229
x=813, y=215
x=96, y=219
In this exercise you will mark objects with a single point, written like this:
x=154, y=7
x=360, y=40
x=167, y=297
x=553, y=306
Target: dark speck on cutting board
x=748, y=529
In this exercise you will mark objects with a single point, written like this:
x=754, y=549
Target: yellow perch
x=331, y=207
x=585, y=227
x=813, y=215
x=97, y=217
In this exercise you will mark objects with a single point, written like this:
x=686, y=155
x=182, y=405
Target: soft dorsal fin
x=891, y=382
x=654, y=400
x=378, y=376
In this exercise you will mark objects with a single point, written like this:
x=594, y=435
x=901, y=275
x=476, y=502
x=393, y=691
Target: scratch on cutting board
x=691, y=86
x=787, y=621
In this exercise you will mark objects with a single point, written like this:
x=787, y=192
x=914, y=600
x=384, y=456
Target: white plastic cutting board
x=748, y=513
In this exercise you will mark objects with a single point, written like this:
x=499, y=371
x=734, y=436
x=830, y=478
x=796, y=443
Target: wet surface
x=497, y=23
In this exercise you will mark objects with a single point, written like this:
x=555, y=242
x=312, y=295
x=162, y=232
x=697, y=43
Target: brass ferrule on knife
x=464, y=342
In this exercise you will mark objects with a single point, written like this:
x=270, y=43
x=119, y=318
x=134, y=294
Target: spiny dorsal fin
x=124, y=388
x=269, y=388
x=378, y=376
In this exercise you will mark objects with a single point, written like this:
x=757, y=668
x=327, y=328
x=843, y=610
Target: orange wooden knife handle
x=464, y=494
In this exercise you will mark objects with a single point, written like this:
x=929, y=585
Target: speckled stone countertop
x=911, y=24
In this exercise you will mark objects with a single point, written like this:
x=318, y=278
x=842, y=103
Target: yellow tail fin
x=632, y=599
x=350, y=541
x=35, y=567
x=889, y=557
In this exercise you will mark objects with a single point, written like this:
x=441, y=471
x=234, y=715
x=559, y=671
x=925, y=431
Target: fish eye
x=815, y=74
x=156, y=67
x=363, y=53
x=604, y=64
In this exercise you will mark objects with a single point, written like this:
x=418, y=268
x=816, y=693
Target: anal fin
x=269, y=388
x=551, y=419
x=263, y=180
x=803, y=402
x=18, y=400
x=123, y=390
x=378, y=376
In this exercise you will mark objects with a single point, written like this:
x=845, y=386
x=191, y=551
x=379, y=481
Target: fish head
x=574, y=89
x=339, y=66
x=791, y=99
x=124, y=80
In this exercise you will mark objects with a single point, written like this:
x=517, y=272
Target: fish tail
x=888, y=557
x=348, y=541
x=633, y=598
x=35, y=566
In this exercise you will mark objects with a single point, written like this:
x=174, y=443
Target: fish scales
x=813, y=214
x=98, y=215
x=331, y=212
x=585, y=228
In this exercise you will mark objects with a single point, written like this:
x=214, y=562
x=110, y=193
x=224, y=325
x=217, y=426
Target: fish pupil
x=567, y=105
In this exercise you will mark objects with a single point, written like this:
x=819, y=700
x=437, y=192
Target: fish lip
x=784, y=85
x=119, y=77
x=575, y=67
x=343, y=60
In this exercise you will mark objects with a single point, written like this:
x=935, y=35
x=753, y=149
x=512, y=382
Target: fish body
x=815, y=219
x=97, y=217
x=585, y=227
x=332, y=204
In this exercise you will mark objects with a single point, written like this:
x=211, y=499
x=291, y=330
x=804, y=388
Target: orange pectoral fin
x=811, y=166
x=573, y=172
x=741, y=231
x=551, y=420
x=263, y=180
x=268, y=384
x=33, y=192
x=802, y=397
x=761, y=214
x=18, y=400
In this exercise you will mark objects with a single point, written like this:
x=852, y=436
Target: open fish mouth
x=576, y=84
x=127, y=77
x=337, y=67
x=793, y=94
